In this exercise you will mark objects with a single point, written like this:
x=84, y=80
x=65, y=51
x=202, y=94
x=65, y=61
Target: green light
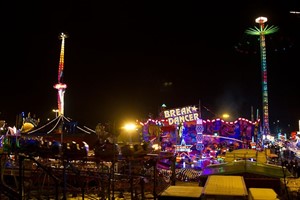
x=266, y=30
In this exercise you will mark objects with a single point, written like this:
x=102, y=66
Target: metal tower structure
x=60, y=86
x=263, y=30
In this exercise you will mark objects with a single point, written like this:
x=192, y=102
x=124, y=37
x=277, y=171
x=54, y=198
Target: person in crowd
x=295, y=167
x=285, y=163
x=291, y=166
x=298, y=171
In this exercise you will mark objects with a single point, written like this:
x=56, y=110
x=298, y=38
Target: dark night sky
x=119, y=54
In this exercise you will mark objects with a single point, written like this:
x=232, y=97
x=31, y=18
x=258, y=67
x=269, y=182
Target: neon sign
x=181, y=115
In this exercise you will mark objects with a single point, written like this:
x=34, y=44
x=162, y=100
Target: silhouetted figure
x=285, y=163
x=291, y=166
x=295, y=167
x=298, y=171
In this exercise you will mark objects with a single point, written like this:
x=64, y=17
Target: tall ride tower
x=60, y=86
x=262, y=31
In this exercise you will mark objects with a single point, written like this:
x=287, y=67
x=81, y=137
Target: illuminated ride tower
x=60, y=86
x=262, y=31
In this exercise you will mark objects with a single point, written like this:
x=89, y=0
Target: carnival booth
x=219, y=187
x=262, y=193
x=181, y=193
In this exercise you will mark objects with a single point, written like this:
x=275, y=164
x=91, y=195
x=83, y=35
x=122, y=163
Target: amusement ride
x=61, y=159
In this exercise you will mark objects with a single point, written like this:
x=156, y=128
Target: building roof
x=246, y=167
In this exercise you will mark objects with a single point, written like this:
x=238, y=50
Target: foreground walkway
x=127, y=195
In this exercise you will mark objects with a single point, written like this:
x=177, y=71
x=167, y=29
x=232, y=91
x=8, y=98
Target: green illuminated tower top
x=263, y=30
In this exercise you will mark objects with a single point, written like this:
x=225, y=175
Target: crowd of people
x=286, y=158
x=292, y=166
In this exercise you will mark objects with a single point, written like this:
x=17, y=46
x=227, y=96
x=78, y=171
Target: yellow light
x=225, y=116
x=130, y=127
x=56, y=111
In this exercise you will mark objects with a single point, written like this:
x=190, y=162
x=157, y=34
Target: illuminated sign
x=181, y=115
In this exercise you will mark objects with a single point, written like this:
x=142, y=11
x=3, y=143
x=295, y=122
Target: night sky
x=124, y=59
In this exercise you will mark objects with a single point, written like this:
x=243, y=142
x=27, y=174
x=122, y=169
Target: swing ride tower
x=261, y=31
x=60, y=86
